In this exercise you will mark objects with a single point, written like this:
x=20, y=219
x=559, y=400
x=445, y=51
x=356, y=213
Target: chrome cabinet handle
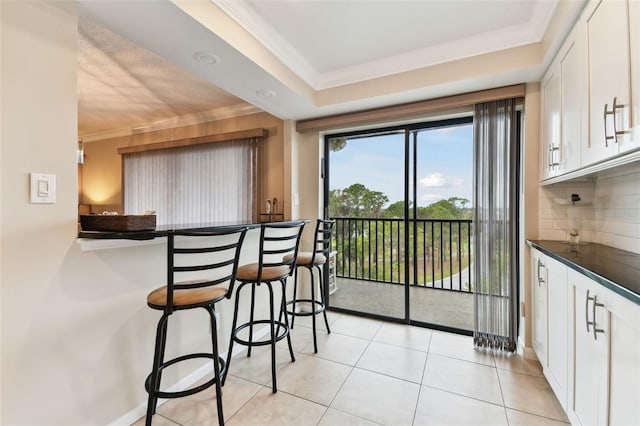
x=586, y=311
x=607, y=112
x=550, y=152
x=554, y=149
x=617, y=132
x=595, y=329
x=540, y=280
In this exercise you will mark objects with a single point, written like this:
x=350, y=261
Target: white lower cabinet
x=587, y=339
x=588, y=395
x=624, y=360
x=556, y=370
x=550, y=321
x=539, y=324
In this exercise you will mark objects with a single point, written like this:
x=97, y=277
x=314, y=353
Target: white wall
x=77, y=336
x=529, y=205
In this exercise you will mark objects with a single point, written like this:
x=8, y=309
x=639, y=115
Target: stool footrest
x=278, y=325
x=318, y=307
x=191, y=391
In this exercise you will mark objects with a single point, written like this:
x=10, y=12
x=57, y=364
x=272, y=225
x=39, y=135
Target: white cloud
x=437, y=180
x=434, y=180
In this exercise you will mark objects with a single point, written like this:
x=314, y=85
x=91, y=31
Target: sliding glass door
x=401, y=197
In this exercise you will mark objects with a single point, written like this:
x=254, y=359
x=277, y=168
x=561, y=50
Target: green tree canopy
x=356, y=201
x=359, y=201
x=451, y=208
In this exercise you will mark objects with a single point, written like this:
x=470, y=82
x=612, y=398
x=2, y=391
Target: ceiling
x=144, y=65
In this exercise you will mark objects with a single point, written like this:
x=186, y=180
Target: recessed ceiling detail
x=320, y=57
x=332, y=43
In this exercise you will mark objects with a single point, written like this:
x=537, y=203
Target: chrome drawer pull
x=596, y=330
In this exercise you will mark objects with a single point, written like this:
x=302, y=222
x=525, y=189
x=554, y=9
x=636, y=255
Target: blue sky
x=445, y=164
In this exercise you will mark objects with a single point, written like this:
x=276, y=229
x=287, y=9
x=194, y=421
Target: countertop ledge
x=618, y=270
x=100, y=240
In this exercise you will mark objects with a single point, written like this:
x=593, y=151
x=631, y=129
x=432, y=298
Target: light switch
x=43, y=188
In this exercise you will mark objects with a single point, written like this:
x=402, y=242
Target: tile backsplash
x=608, y=211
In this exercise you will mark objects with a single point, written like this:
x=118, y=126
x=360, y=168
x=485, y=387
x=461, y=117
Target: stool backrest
x=197, y=259
x=323, y=234
x=279, y=243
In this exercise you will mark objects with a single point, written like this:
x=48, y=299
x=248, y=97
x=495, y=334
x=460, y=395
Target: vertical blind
x=213, y=182
x=495, y=249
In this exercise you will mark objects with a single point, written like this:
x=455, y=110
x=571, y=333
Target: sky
x=445, y=164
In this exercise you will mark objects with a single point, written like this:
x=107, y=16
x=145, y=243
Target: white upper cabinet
x=561, y=102
x=550, y=103
x=571, y=105
x=606, y=27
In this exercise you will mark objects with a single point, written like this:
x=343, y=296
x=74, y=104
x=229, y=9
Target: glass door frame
x=410, y=185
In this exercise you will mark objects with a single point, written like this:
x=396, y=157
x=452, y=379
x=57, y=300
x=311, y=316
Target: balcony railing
x=434, y=253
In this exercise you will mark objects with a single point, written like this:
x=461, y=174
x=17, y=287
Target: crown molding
x=253, y=23
x=506, y=38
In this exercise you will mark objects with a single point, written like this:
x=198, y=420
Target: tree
x=356, y=201
x=451, y=208
x=395, y=210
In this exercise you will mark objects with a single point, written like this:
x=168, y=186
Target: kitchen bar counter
x=100, y=240
x=618, y=270
x=162, y=230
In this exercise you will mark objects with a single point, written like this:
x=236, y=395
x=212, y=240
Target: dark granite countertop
x=618, y=270
x=162, y=230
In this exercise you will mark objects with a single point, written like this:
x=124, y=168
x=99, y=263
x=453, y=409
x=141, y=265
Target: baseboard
x=526, y=352
x=139, y=411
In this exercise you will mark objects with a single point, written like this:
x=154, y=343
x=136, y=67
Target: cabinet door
x=556, y=370
x=624, y=377
x=539, y=332
x=570, y=106
x=587, y=402
x=634, y=35
x=550, y=110
x=607, y=35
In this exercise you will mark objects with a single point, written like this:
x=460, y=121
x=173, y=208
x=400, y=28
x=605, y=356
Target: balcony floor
x=433, y=306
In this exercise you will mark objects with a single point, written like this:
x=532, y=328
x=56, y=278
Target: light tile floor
x=369, y=372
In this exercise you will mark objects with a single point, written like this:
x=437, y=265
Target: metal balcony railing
x=434, y=253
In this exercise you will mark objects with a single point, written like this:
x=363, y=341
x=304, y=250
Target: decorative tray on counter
x=98, y=222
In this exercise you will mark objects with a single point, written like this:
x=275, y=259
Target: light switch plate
x=43, y=188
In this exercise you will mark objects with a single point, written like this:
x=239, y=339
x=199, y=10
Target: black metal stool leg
x=322, y=289
x=217, y=371
x=313, y=309
x=295, y=296
x=253, y=304
x=158, y=356
x=233, y=334
x=274, y=386
x=283, y=309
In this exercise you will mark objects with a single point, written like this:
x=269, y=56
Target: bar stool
x=318, y=257
x=277, y=240
x=209, y=260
